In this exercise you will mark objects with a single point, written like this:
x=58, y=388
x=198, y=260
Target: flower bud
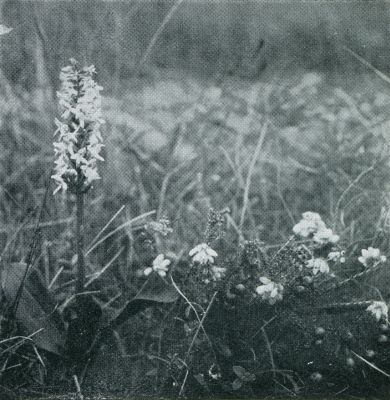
x=316, y=377
x=240, y=287
x=383, y=339
x=370, y=353
x=350, y=362
x=320, y=331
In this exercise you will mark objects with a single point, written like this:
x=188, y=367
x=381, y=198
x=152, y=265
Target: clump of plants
x=278, y=318
x=58, y=328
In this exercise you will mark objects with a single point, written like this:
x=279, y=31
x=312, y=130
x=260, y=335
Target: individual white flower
x=318, y=265
x=270, y=291
x=379, y=309
x=79, y=141
x=310, y=223
x=217, y=273
x=337, y=256
x=203, y=254
x=160, y=265
x=325, y=235
x=370, y=256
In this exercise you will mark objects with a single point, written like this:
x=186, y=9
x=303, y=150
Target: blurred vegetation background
x=184, y=116
x=204, y=37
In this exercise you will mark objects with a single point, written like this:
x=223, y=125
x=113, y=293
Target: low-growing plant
x=278, y=318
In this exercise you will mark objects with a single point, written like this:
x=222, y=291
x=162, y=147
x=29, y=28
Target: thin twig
x=157, y=35
x=78, y=388
x=250, y=173
x=106, y=226
x=200, y=326
x=368, y=65
x=124, y=225
x=101, y=272
x=370, y=364
x=271, y=356
x=351, y=185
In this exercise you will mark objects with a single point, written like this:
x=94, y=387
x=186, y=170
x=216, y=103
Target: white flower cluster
x=79, y=140
x=379, y=310
x=270, y=291
x=318, y=265
x=204, y=255
x=337, y=256
x=160, y=265
x=311, y=225
x=161, y=226
x=371, y=256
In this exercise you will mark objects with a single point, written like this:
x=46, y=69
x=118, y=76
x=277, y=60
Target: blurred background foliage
x=208, y=38
x=182, y=126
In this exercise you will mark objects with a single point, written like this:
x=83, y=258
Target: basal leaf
x=155, y=290
x=36, y=309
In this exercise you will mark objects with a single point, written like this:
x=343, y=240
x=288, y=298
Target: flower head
x=160, y=265
x=270, y=291
x=337, y=256
x=379, y=310
x=318, y=265
x=217, y=273
x=79, y=141
x=371, y=256
x=203, y=254
x=325, y=235
x=310, y=223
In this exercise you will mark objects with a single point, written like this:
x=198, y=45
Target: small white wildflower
x=79, y=141
x=325, y=235
x=161, y=226
x=217, y=273
x=203, y=254
x=310, y=223
x=214, y=372
x=318, y=265
x=270, y=291
x=379, y=309
x=160, y=265
x=371, y=255
x=337, y=256
x=316, y=377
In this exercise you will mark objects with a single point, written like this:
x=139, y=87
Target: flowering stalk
x=80, y=242
x=79, y=144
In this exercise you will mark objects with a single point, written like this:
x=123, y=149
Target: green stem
x=80, y=241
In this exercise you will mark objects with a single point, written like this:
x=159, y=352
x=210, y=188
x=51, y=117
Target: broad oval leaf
x=36, y=309
x=155, y=290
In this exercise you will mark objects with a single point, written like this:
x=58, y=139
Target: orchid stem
x=80, y=241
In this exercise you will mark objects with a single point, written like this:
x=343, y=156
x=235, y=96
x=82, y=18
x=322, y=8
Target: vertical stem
x=80, y=241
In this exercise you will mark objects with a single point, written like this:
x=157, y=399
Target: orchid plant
x=78, y=143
